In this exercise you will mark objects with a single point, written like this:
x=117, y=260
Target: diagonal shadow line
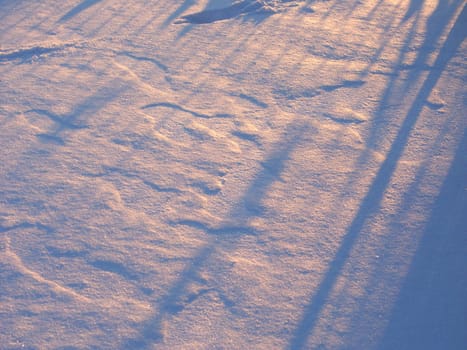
x=376, y=191
x=245, y=209
x=431, y=301
x=362, y=317
x=437, y=22
x=78, y=9
x=414, y=7
x=391, y=85
x=180, y=10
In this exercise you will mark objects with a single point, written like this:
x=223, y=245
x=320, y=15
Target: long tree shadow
x=414, y=7
x=242, y=212
x=371, y=202
x=436, y=25
x=431, y=309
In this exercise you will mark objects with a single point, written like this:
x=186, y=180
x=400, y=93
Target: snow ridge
x=237, y=9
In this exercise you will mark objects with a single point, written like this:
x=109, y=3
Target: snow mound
x=237, y=9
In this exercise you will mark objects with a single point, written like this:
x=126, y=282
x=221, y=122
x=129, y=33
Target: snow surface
x=249, y=174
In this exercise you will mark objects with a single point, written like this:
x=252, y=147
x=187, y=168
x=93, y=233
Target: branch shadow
x=248, y=207
x=436, y=25
x=371, y=202
x=75, y=120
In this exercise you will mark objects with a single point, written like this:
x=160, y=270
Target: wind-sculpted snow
x=237, y=9
x=233, y=174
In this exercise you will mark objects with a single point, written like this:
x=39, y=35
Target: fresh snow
x=218, y=174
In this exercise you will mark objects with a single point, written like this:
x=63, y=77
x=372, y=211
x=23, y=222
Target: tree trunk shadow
x=373, y=198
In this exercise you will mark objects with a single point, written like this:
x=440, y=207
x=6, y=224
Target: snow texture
x=233, y=174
